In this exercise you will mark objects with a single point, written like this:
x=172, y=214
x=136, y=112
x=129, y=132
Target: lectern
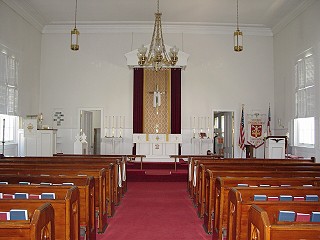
x=275, y=147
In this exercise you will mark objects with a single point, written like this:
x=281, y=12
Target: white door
x=86, y=119
x=228, y=143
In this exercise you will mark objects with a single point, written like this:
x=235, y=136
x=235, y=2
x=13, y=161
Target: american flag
x=242, y=137
x=269, y=121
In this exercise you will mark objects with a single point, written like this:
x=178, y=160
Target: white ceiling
x=258, y=13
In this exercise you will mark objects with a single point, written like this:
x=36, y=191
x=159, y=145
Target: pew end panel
x=41, y=225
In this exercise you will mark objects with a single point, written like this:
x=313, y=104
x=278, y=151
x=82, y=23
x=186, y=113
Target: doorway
x=223, y=122
x=91, y=125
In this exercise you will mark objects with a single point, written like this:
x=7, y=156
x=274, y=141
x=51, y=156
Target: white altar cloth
x=157, y=147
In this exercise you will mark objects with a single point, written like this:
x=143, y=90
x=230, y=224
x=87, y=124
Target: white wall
x=216, y=77
x=20, y=38
x=301, y=34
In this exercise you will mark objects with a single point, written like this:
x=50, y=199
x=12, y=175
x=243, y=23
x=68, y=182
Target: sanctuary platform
x=157, y=172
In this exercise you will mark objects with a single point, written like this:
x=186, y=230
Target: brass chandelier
x=157, y=55
x=237, y=35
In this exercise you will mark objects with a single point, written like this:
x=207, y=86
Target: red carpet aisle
x=155, y=211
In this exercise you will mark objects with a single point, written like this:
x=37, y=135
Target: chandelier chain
x=158, y=8
x=75, y=15
x=237, y=15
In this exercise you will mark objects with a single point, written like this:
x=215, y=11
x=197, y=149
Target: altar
x=157, y=147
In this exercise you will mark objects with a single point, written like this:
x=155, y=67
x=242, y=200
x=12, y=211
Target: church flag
x=242, y=137
x=269, y=122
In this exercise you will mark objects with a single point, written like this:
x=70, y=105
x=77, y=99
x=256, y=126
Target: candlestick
x=3, y=133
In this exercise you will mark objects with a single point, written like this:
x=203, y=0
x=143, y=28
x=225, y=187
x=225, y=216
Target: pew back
x=241, y=199
x=261, y=228
x=99, y=189
x=224, y=184
x=66, y=206
x=86, y=194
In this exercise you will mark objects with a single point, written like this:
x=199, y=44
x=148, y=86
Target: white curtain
x=119, y=176
x=8, y=84
x=305, y=87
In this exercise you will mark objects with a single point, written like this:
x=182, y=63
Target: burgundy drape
x=137, y=100
x=176, y=100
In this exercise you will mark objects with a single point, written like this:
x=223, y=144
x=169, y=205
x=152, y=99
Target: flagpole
x=242, y=138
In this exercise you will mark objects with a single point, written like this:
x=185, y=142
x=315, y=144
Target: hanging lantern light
x=75, y=32
x=237, y=35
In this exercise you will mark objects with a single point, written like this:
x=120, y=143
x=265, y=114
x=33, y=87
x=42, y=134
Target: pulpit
x=39, y=142
x=275, y=147
x=157, y=147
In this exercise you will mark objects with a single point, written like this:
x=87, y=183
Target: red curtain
x=137, y=100
x=176, y=100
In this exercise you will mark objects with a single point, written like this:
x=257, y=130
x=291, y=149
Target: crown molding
x=147, y=27
x=27, y=12
x=291, y=16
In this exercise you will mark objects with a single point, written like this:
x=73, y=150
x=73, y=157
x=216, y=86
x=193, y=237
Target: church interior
x=163, y=116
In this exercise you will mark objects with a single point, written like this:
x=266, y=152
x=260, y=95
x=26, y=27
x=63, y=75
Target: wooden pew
x=66, y=206
x=261, y=226
x=119, y=162
x=224, y=184
x=112, y=166
x=212, y=175
x=192, y=162
x=86, y=195
x=100, y=187
x=241, y=199
x=124, y=157
x=191, y=168
x=39, y=227
x=200, y=166
x=199, y=190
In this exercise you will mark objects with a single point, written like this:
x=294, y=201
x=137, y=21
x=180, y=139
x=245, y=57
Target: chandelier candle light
x=238, y=36
x=74, y=32
x=157, y=54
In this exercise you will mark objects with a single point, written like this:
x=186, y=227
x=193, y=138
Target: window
x=222, y=126
x=216, y=122
x=11, y=124
x=304, y=100
x=304, y=132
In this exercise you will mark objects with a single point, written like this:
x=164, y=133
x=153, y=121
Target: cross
x=157, y=98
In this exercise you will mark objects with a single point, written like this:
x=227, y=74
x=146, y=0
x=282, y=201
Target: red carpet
x=155, y=211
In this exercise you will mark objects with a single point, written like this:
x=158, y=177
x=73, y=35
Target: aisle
x=155, y=211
